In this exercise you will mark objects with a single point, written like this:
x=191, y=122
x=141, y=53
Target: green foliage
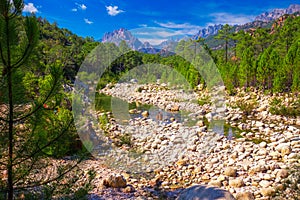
x=103, y=121
x=286, y=108
x=247, y=106
x=204, y=100
x=125, y=139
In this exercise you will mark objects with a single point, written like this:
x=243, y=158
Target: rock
x=145, y=113
x=262, y=108
x=263, y=144
x=175, y=108
x=208, y=116
x=259, y=124
x=181, y=162
x=284, y=149
x=214, y=160
x=200, y=123
x=132, y=111
x=115, y=181
x=267, y=177
x=245, y=196
x=128, y=189
x=215, y=183
x=198, y=169
x=230, y=171
x=205, y=177
x=265, y=183
x=282, y=173
x=236, y=183
x=203, y=192
x=221, y=178
x=267, y=192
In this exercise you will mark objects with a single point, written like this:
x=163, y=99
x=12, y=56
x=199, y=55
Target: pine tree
x=225, y=35
x=34, y=123
x=247, y=69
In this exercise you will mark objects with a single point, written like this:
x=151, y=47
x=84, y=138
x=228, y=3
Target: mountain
x=265, y=20
x=210, y=30
x=134, y=43
x=276, y=13
x=123, y=34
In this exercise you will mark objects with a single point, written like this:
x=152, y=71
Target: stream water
x=124, y=111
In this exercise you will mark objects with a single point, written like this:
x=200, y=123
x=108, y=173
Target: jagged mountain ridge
x=276, y=13
x=210, y=30
x=123, y=34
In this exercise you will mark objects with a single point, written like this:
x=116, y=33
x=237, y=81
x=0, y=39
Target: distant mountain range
x=276, y=13
x=263, y=20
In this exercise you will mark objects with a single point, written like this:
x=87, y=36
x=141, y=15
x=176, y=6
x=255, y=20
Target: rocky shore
x=254, y=163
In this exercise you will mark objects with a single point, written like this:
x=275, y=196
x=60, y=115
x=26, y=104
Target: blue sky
x=149, y=19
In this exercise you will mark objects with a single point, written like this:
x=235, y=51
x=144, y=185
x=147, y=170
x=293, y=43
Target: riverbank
x=256, y=162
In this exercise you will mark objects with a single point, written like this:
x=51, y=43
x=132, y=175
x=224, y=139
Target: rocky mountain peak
x=276, y=13
x=210, y=30
x=122, y=34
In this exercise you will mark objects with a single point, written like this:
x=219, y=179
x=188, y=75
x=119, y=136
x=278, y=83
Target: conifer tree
x=34, y=121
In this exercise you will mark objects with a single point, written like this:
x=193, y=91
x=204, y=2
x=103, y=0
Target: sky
x=150, y=20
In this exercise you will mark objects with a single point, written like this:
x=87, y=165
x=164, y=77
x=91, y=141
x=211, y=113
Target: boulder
x=230, y=171
x=236, y=183
x=115, y=181
x=245, y=196
x=204, y=192
x=265, y=183
x=282, y=173
x=268, y=192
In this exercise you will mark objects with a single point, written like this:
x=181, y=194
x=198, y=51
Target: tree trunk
x=11, y=116
x=226, y=51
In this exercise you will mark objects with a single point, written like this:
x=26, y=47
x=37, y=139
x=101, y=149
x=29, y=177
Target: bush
x=286, y=108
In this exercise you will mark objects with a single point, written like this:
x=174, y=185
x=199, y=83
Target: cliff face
x=122, y=34
x=210, y=30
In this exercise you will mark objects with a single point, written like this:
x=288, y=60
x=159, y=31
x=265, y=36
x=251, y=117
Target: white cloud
x=113, y=10
x=177, y=26
x=74, y=10
x=231, y=19
x=183, y=28
x=30, y=8
x=156, y=35
x=88, y=21
x=152, y=41
x=80, y=6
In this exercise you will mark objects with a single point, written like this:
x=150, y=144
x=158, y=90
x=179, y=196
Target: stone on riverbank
x=203, y=192
x=115, y=181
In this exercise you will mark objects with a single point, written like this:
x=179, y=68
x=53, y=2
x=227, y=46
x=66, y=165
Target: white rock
x=263, y=144
x=265, y=183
